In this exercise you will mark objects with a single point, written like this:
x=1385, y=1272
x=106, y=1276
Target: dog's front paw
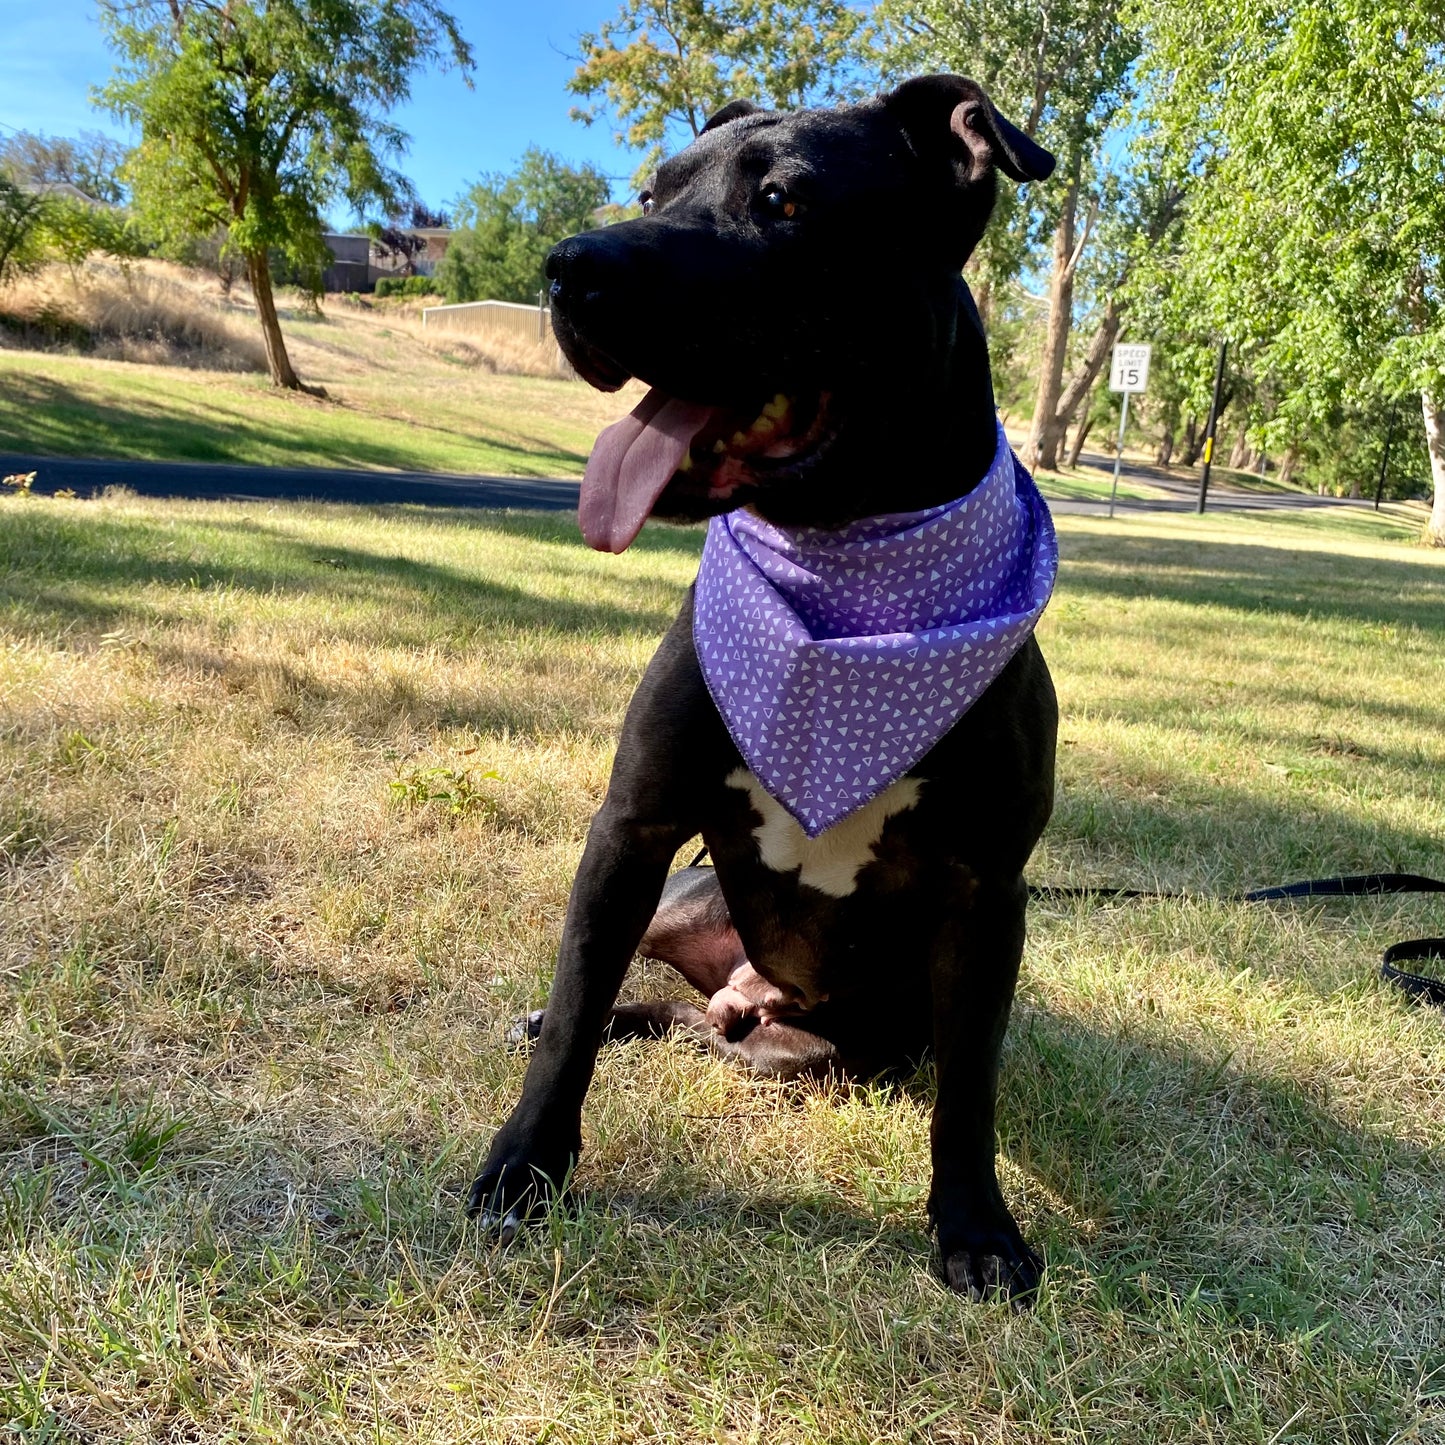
x=524, y=1029
x=991, y=1263
x=516, y=1184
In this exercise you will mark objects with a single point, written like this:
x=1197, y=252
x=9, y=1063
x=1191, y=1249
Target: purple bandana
x=838, y=659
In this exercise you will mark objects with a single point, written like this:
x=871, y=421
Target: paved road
x=210, y=481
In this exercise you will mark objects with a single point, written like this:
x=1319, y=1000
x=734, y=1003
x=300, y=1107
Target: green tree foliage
x=1314, y=131
x=1060, y=70
x=71, y=231
x=255, y=115
x=91, y=162
x=663, y=67
x=22, y=248
x=505, y=226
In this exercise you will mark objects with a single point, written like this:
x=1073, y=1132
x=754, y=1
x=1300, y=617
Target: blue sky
x=51, y=54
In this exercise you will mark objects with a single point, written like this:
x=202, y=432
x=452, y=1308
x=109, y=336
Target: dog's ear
x=733, y=110
x=946, y=110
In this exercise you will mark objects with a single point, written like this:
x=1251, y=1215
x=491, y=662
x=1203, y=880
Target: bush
x=21, y=248
x=407, y=286
x=73, y=231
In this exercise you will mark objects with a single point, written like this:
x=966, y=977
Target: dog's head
x=791, y=294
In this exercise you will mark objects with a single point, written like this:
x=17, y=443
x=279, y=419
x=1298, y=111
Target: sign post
x=1129, y=373
x=1213, y=425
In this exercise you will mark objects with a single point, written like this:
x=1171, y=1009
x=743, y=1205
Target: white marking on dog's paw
x=829, y=862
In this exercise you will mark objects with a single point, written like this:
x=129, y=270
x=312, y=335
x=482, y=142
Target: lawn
x=392, y=402
x=290, y=799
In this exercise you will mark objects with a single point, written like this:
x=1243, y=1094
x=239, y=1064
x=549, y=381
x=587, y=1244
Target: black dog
x=793, y=290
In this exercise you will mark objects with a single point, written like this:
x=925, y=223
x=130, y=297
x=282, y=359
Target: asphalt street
x=212, y=481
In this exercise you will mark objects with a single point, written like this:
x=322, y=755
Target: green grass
x=257, y=958
x=392, y=403
x=1092, y=485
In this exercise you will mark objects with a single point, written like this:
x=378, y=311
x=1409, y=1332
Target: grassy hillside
x=290, y=799
x=395, y=398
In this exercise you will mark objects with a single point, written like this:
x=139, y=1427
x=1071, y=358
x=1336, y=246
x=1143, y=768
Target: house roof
x=65, y=190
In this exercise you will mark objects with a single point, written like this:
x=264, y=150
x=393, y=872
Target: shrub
x=407, y=286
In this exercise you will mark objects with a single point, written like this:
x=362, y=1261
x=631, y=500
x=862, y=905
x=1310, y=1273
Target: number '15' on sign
x=1129, y=371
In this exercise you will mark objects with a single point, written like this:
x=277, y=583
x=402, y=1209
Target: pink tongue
x=631, y=462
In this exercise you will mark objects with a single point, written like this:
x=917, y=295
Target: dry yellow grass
x=168, y=315
x=498, y=353
x=256, y=977
x=145, y=311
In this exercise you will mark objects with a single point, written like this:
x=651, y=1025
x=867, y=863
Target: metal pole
x=1209, y=430
x=1385, y=460
x=541, y=318
x=1119, y=452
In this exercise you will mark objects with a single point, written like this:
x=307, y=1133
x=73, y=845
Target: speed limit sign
x=1129, y=371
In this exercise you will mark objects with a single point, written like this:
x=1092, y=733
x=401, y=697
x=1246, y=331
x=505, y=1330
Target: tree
x=1059, y=69
x=21, y=245
x=256, y=114
x=397, y=235
x=71, y=231
x=1315, y=134
x=506, y=225
x=664, y=66
x=91, y=162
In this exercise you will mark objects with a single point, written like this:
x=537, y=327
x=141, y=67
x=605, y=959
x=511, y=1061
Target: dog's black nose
x=570, y=271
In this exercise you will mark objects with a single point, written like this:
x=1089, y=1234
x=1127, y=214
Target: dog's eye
x=646, y=202
x=777, y=202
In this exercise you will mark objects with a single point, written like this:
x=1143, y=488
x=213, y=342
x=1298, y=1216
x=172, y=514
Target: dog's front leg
x=613, y=899
x=672, y=749
x=974, y=969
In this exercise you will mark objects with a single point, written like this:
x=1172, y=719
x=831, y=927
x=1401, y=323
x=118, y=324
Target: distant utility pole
x=1213, y=423
x=1385, y=460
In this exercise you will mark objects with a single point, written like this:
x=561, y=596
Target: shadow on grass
x=1220, y=839
x=1297, y=581
x=1237, y=1190
x=61, y=569
x=1176, y=1196
x=49, y=417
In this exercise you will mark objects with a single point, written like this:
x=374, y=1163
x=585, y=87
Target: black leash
x=1421, y=987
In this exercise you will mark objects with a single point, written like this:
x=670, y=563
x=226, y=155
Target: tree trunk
x=1042, y=447
x=1189, y=448
x=277, y=361
x=983, y=299
x=1081, y=384
x=1288, y=466
x=1435, y=442
x=1166, y=447
x=1081, y=432
x=1239, y=452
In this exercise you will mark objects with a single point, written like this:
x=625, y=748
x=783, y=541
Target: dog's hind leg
x=773, y=1050
x=693, y=932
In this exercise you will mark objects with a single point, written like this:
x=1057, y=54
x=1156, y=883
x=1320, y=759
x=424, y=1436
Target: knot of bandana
x=838, y=659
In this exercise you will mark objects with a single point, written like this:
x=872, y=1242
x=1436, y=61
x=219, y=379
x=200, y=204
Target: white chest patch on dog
x=829, y=862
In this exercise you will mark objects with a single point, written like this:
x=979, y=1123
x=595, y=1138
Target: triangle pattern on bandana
x=838, y=659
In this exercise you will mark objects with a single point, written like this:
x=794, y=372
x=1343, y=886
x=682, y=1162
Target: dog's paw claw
x=505, y=1226
x=996, y=1269
x=524, y=1029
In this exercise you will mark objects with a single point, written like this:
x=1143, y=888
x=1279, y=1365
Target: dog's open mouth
x=711, y=450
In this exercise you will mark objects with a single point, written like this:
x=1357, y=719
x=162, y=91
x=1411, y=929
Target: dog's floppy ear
x=733, y=110
x=939, y=109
